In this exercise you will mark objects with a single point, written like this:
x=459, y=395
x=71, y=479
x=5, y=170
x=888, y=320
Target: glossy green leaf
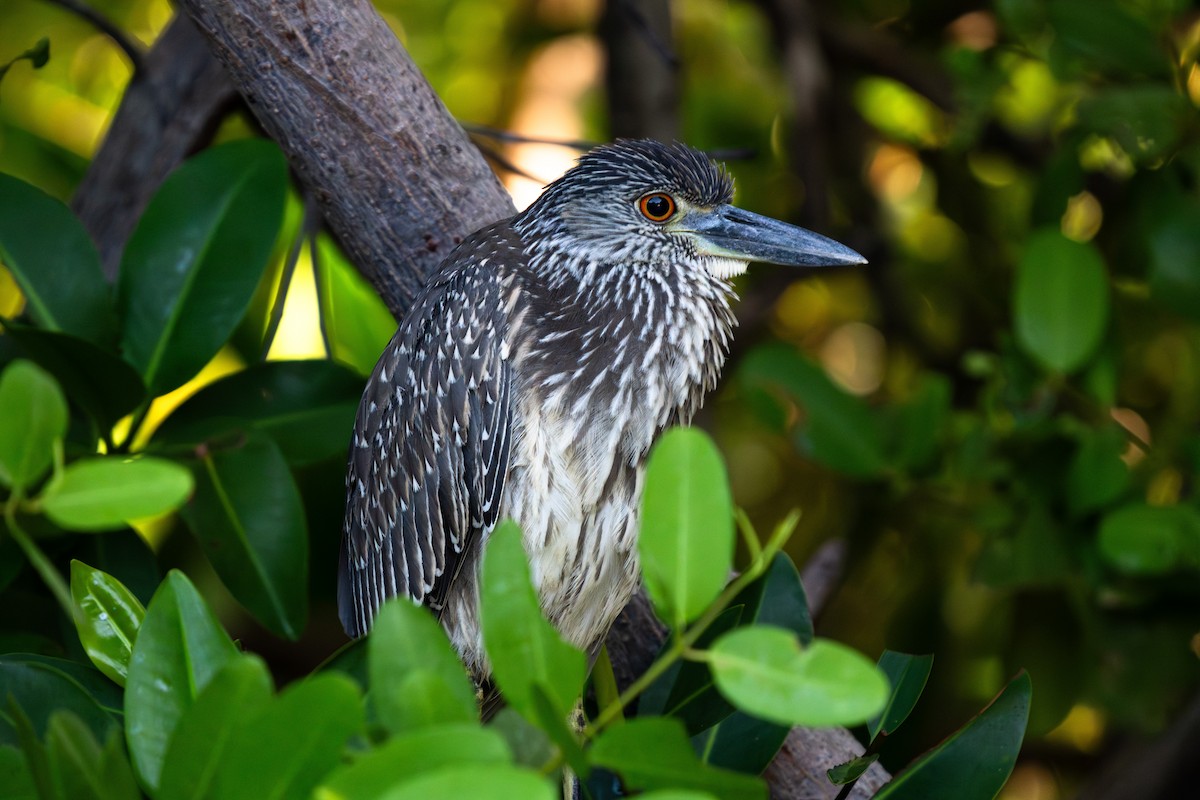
x=55, y=263
x=83, y=770
x=478, y=781
x=975, y=760
x=306, y=407
x=248, y=516
x=101, y=383
x=107, y=620
x=1175, y=259
x=357, y=321
x=192, y=265
x=654, y=753
x=180, y=647
x=33, y=415
x=204, y=737
x=1097, y=476
x=907, y=675
x=524, y=648
x=850, y=771
x=286, y=749
x=839, y=430
x=764, y=670
x=1060, y=303
x=417, y=679
x=404, y=757
x=1150, y=540
x=43, y=685
x=686, y=539
x=106, y=492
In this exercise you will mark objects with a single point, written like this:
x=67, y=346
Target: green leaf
x=920, y=424
x=33, y=415
x=43, y=685
x=1060, y=303
x=32, y=748
x=357, y=321
x=676, y=794
x=654, y=753
x=306, y=407
x=286, y=749
x=524, y=648
x=975, y=760
x=1107, y=37
x=1147, y=121
x=530, y=745
x=179, y=648
x=102, y=384
x=205, y=733
x=81, y=768
x=687, y=535
x=1151, y=540
x=764, y=670
x=1097, y=475
x=907, y=675
x=404, y=757
x=850, y=771
x=53, y=260
x=1174, y=244
x=487, y=781
x=840, y=430
x=192, y=265
x=248, y=516
x=107, y=621
x=106, y=492
x=15, y=776
x=416, y=678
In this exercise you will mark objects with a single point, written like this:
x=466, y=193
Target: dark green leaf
x=1150, y=540
x=14, y=775
x=742, y=742
x=687, y=535
x=105, y=493
x=248, y=516
x=1040, y=553
x=107, y=620
x=529, y=744
x=43, y=685
x=1107, y=37
x=555, y=728
x=840, y=429
x=1097, y=475
x=764, y=670
x=654, y=753
x=33, y=415
x=204, y=736
x=907, y=675
x=191, y=266
x=286, y=749
x=1147, y=122
x=1060, y=301
x=851, y=770
x=205, y=732
x=180, y=647
x=81, y=768
x=404, y=757
x=99, y=382
x=920, y=424
x=487, y=781
x=55, y=263
x=357, y=321
x=975, y=760
x=32, y=748
x=1175, y=259
x=524, y=648
x=306, y=407
x=417, y=679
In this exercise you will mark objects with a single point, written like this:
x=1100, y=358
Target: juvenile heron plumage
x=531, y=377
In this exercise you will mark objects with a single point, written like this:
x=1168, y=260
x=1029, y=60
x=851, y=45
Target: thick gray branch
x=396, y=178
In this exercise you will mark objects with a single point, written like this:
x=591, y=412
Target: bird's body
x=529, y=380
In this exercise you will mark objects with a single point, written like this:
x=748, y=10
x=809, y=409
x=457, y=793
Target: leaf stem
x=53, y=580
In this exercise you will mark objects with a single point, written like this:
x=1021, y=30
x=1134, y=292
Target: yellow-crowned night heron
x=530, y=379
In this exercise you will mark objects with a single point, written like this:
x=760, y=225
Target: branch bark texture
x=396, y=178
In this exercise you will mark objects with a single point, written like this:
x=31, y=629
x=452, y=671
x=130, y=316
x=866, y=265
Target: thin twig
x=643, y=27
x=308, y=223
x=132, y=49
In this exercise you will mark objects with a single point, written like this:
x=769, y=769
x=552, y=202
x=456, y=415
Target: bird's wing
x=430, y=448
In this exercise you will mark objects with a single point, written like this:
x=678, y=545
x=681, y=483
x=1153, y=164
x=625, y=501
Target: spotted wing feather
x=431, y=447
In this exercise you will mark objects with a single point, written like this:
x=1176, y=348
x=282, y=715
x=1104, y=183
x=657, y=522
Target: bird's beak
x=730, y=232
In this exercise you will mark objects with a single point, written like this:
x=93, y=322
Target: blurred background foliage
x=1007, y=437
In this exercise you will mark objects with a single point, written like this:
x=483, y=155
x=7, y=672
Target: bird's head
x=642, y=201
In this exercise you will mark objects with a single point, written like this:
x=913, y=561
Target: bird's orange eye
x=657, y=207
